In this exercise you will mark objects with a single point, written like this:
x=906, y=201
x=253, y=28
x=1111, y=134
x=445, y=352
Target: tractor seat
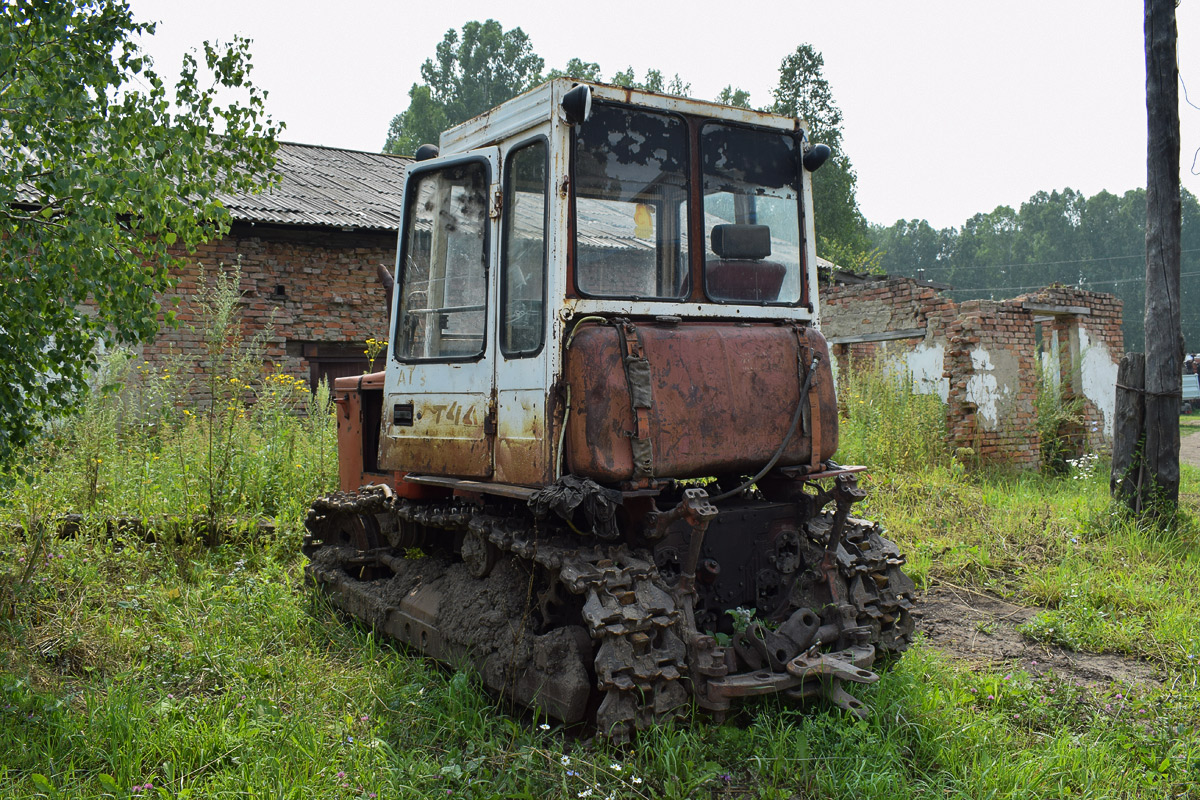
x=743, y=279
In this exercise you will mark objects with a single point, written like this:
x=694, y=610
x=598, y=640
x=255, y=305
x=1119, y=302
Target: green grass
x=210, y=670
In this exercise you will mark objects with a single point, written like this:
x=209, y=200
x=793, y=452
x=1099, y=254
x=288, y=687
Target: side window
x=443, y=275
x=524, y=265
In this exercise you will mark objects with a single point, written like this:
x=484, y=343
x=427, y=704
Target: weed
x=886, y=423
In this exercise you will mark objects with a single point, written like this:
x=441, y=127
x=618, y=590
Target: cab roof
x=541, y=104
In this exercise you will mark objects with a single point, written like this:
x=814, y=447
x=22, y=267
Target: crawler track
x=593, y=631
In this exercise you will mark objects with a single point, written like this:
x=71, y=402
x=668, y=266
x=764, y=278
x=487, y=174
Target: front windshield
x=751, y=215
x=630, y=200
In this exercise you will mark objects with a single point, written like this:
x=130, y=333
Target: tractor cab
x=604, y=282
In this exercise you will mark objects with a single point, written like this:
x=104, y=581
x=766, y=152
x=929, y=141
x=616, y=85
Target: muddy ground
x=983, y=630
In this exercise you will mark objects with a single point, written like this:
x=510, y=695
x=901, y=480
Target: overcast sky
x=951, y=107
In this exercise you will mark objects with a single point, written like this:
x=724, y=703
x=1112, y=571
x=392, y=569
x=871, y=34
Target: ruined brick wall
x=897, y=304
x=987, y=356
x=319, y=290
x=992, y=368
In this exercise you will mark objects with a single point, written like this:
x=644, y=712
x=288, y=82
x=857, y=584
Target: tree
x=105, y=181
x=842, y=232
x=915, y=248
x=579, y=70
x=734, y=97
x=466, y=77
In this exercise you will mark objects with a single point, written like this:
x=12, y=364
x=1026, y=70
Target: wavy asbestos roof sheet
x=328, y=187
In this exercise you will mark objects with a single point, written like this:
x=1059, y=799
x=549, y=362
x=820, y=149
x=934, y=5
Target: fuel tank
x=722, y=396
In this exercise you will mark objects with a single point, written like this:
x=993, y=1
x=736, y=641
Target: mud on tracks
x=984, y=631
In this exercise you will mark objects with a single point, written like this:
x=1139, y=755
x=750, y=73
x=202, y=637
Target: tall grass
x=885, y=423
x=257, y=445
x=133, y=668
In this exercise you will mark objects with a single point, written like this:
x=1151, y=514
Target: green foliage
x=106, y=179
x=886, y=424
x=578, y=70
x=734, y=97
x=129, y=670
x=1059, y=418
x=259, y=446
x=468, y=75
x=842, y=231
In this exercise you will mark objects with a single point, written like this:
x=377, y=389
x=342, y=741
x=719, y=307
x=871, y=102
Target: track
x=593, y=631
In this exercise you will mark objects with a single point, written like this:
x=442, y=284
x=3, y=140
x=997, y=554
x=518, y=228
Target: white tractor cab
x=572, y=202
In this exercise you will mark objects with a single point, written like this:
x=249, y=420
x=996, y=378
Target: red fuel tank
x=721, y=399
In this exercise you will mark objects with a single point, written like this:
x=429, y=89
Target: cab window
x=631, y=187
x=751, y=215
x=443, y=267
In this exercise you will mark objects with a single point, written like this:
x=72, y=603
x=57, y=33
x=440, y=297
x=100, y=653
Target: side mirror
x=817, y=155
x=577, y=104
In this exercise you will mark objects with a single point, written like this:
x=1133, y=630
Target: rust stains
x=723, y=396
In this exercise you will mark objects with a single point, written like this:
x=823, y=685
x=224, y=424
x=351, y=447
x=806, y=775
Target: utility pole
x=1164, y=337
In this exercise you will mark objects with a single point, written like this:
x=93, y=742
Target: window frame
x=411, y=180
x=686, y=245
x=505, y=230
x=802, y=266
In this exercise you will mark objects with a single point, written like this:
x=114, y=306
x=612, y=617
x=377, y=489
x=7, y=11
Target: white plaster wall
x=926, y=363
x=985, y=389
x=1098, y=379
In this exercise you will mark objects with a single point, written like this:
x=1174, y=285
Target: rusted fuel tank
x=720, y=398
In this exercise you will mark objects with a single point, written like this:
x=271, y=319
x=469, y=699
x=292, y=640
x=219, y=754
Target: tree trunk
x=1126, y=478
x=1164, y=339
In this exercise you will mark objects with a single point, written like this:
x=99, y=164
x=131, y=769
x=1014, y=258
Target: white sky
x=951, y=106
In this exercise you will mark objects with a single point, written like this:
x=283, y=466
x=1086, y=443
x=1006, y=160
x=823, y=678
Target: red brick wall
x=1004, y=335
x=986, y=345
x=331, y=300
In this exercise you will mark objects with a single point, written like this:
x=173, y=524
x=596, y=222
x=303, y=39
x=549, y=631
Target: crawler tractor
x=597, y=466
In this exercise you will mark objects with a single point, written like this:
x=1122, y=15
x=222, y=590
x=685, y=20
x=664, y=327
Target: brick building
x=309, y=252
x=983, y=357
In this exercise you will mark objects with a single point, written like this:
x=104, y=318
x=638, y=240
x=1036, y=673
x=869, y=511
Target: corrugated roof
x=328, y=187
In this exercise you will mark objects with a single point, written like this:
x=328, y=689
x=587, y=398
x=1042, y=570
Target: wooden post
x=1125, y=481
x=1164, y=338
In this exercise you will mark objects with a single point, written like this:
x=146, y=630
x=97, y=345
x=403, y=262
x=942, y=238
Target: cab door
x=439, y=414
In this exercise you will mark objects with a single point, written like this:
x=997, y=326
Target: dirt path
x=1189, y=445
x=982, y=630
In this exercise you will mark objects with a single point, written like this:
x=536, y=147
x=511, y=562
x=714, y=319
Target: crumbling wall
x=893, y=319
x=982, y=357
x=1087, y=328
x=317, y=289
x=992, y=368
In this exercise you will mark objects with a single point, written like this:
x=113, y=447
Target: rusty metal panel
x=723, y=397
x=352, y=436
x=521, y=452
x=448, y=435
